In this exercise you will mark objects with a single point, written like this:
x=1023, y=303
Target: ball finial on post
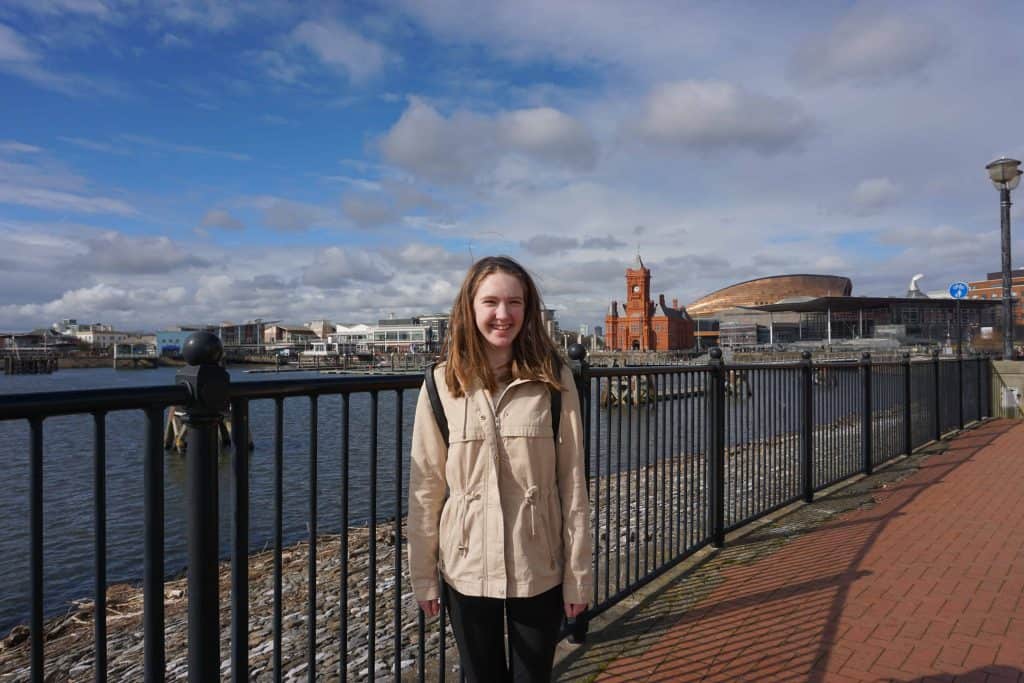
x=203, y=348
x=577, y=351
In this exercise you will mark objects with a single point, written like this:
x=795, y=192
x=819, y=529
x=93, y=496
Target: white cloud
x=711, y=115
x=289, y=216
x=468, y=146
x=427, y=144
x=114, y=252
x=648, y=37
x=53, y=200
x=101, y=301
x=337, y=46
x=18, y=59
x=369, y=212
x=93, y=145
x=548, y=134
x=217, y=15
x=182, y=148
x=870, y=44
x=337, y=267
x=549, y=244
x=173, y=40
x=94, y=8
x=279, y=67
x=15, y=147
x=874, y=194
x=13, y=48
x=219, y=218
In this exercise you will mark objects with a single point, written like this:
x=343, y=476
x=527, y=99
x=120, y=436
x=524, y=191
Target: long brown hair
x=534, y=354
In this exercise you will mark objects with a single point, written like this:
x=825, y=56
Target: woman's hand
x=572, y=609
x=432, y=608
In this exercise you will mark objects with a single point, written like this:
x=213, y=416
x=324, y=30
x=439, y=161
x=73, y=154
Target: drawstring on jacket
x=464, y=499
x=530, y=499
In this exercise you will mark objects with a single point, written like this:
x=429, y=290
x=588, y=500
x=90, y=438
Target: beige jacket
x=515, y=522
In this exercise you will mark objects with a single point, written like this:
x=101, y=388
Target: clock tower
x=638, y=306
x=646, y=325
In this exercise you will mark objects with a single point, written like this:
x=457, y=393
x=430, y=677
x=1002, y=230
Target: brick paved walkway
x=922, y=580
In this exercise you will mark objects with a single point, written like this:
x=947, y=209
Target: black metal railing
x=676, y=456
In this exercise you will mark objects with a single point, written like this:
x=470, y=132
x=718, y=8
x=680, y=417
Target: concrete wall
x=1007, y=377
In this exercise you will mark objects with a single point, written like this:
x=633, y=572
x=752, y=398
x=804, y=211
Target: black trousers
x=479, y=626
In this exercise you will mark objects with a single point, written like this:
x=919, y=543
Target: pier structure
x=30, y=363
x=134, y=356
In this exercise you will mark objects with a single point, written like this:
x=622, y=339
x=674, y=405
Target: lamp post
x=1005, y=175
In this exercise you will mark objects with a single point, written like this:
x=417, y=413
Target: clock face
x=636, y=288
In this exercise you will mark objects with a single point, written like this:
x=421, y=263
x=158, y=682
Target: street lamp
x=1005, y=175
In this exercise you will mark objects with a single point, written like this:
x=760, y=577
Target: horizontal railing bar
x=51, y=403
x=323, y=385
x=637, y=370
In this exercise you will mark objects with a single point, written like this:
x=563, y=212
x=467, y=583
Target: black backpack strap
x=435, y=402
x=556, y=412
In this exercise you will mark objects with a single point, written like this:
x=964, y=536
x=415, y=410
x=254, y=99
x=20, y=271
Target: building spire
x=638, y=263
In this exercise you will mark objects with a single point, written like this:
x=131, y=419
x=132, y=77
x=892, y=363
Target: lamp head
x=1004, y=173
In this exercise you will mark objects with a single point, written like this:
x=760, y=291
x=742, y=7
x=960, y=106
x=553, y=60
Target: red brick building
x=644, y=325
x=992, y=288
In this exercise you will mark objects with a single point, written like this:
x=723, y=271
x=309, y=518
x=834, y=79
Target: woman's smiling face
x=498, y=310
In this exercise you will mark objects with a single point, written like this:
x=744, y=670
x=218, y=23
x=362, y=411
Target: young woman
x=499, y=519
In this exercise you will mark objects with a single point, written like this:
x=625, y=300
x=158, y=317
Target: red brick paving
x=927, y=585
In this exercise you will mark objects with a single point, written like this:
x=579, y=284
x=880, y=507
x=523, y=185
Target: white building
x=99, y=336
x=351, y=339
x=401, y=334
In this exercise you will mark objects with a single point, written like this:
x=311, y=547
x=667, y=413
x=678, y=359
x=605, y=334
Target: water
x=68, y=483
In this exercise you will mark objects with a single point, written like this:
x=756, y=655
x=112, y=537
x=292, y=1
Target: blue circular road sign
x=958, y=290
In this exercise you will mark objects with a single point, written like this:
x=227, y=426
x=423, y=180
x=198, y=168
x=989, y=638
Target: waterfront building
x=901, y=320
x=547, y=318
x=438, y=324
x=322, y=328
x=247, y=336
x=38, y=339
x=288, y=336
x=991, y=289
x=351, y=339
x=769, y=290
x=66, y=326
x=644, y=325
x=240, y=338
x=171, y=341
x=401, y=335
x=99, y=336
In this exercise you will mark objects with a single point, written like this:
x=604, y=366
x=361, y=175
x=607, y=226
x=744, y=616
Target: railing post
x=981, y=387
x=908, y=414
x=807, y=424
x=208, y=385
x=716, y=448
x=989, y=409
x=938, y=394
x=576, y=627
x=960, y=384
x=866, y=445
x=580, y=373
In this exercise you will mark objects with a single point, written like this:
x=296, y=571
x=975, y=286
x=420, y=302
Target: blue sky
x=172, y=161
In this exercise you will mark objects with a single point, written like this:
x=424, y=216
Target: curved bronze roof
x=768, y=290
